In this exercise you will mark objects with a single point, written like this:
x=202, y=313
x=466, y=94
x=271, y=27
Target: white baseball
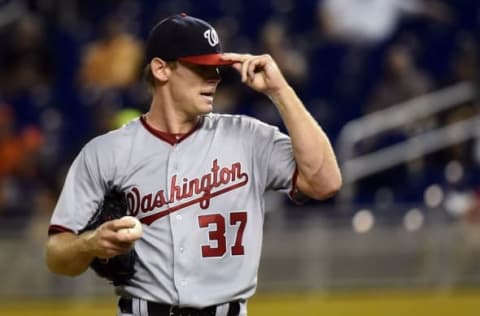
x=135, y=231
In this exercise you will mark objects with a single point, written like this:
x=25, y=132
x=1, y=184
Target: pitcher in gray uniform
x=195, y=179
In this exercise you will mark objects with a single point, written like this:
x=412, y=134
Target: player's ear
x=160, y=69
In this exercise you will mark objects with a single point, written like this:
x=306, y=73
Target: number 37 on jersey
x=217, y=226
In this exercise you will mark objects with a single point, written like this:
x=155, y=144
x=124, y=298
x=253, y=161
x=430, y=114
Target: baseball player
x=195, y=180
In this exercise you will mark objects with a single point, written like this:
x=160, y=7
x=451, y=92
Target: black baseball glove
x=118, y=269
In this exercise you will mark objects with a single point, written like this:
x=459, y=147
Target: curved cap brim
x=207, y=60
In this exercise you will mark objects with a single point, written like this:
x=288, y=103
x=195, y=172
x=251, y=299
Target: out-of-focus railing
x=357, y=166
x=401, y=114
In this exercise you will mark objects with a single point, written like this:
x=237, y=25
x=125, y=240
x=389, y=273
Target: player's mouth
x=208, y=96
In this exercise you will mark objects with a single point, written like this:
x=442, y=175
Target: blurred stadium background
x=393, y=82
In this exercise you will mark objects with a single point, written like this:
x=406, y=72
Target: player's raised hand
x=259, y=72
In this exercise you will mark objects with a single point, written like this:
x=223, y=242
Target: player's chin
x=206, y=106
x=206, y=110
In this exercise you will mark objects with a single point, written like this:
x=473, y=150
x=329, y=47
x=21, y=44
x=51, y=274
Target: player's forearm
x=319, y=174
x=68, y=254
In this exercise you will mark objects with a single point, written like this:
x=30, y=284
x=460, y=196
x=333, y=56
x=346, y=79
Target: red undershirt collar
x=171, y=138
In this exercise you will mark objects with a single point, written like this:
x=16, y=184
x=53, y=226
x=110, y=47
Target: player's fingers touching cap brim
x=185, y=38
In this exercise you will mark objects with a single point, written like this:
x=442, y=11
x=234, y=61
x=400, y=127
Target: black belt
x=159, y=309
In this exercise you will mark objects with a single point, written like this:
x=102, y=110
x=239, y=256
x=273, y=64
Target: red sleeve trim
x=57, y=229
x=294, y=189
x=295, y=195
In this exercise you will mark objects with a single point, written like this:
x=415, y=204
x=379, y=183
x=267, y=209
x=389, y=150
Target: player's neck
x=170, y=121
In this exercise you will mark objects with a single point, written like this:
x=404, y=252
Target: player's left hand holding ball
x=132, y=229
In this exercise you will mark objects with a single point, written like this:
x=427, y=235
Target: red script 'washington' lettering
x=203, y=188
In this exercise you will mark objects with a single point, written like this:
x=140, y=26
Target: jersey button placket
x=177, y=223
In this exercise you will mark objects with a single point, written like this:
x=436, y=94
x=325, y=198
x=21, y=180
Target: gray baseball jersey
x=200, y=199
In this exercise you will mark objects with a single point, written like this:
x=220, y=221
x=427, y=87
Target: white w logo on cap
x=211, y=36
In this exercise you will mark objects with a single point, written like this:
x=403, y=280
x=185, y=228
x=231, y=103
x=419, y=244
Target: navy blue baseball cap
x=185, y=38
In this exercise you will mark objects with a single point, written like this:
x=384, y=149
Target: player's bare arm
x=318, y=172
x=71, y=254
